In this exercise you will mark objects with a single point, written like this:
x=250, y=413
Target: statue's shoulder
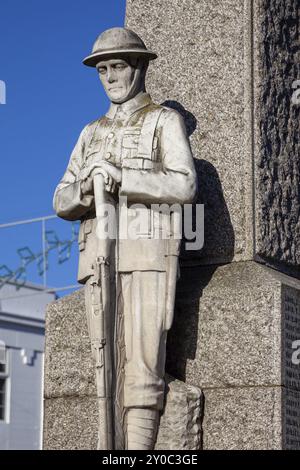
x=167, y=114
x=167, y=110
x=164, y=111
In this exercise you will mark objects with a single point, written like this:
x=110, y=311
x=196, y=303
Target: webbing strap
x=145, y=145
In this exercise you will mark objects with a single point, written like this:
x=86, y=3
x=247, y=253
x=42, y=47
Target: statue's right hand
x=110, y=184
x=91, y=170
x=87, y=184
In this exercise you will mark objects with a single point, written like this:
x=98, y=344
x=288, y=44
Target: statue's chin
x=134, y=90
x=122, y=99
x=119, y=100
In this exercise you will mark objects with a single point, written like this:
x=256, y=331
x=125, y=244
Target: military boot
x=142, y=425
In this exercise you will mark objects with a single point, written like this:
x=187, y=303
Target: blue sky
x=50, y=97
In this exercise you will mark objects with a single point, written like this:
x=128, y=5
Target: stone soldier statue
x=142, y=151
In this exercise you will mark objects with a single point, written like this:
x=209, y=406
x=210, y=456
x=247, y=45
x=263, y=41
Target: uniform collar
x=131, y=106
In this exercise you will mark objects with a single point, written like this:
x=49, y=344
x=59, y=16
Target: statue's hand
x=106, y=170
x=109, y=182
x=112, y=171
x=86, y=186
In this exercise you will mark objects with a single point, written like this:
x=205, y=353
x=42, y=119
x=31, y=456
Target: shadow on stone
x=189, y=118
x=183, y=337
x=196, y=267
x=219, y=236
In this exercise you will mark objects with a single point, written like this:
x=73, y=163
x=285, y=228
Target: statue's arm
x=176, y=182
x=69, y=202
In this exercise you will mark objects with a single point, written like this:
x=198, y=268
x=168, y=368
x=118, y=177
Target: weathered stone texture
x=234, y=325
x=70, y=423
x=232, y=337
x=243, y=419
x=278, y=174
x=68, y=366
x=202, y=71
x=180, y=425
x=227, y=328
x=230, y=68
x=71, y=416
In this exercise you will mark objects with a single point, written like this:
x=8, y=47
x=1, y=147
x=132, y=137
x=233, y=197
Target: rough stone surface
x=227, y=327
x=180, y=424
x=70, y=423
x=203, y=71
x=229, y=67
x=243, y=419
x=251, y=418
x=68, y=367
x=232, y=337
x=70, y=415
x=278, y=174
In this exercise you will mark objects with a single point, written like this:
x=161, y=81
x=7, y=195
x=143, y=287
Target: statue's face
x=117, y=77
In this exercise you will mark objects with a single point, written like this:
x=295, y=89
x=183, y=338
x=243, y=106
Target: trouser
x=143, y=296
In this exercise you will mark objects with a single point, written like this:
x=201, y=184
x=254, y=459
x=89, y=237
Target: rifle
x=172, y=266
x=101, y=323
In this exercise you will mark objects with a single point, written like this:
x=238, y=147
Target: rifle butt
x=105, y=428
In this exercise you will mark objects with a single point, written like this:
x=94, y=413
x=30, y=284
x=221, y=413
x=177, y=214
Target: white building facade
x=22, y=328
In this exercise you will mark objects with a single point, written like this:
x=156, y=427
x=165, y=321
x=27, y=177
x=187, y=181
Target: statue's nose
x=110, y=75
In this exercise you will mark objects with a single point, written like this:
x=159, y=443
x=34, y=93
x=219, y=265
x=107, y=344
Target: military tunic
x=161, y=172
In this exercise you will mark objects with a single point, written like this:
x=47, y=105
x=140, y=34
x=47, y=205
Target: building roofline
x=22, y=320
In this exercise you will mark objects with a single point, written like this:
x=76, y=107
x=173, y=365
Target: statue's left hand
x=114, y=172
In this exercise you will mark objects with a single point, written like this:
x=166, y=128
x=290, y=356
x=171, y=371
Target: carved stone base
x=180, y=423
x=234, y=337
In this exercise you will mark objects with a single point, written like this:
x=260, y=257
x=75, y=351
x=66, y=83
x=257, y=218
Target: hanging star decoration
x=41, y=258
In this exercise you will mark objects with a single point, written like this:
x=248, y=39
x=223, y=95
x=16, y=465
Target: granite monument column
x=232, y=67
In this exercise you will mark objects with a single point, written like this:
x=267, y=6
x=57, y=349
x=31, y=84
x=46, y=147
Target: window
x=3, y=380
